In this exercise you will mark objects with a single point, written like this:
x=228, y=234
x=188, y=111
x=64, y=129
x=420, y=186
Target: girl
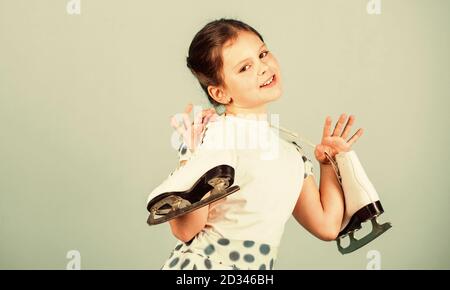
x=240, y=76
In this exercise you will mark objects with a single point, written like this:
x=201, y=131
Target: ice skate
x=361, y=202
x=185, y=190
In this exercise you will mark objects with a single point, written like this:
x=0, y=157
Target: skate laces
x=297, y=136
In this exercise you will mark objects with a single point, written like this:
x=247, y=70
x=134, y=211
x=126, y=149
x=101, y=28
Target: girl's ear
x=218, y=95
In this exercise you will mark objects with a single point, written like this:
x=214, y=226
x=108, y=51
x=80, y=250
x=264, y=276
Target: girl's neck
x=261, y=111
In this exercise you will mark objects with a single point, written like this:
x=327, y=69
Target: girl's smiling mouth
x=269, y=83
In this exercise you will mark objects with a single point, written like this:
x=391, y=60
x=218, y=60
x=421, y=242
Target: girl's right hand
x=192, y=131
x=334, y=143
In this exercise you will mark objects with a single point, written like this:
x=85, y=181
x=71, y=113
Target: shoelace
x=304, y=140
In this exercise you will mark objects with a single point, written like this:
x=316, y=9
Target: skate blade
x=154, y=220
x=171, y=201
x=355, y=244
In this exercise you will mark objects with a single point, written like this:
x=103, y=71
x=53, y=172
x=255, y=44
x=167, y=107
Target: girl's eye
x=245, y=68
x=263, y=54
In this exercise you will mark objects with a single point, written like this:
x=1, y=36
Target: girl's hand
x=192, y=132
x=335, y=143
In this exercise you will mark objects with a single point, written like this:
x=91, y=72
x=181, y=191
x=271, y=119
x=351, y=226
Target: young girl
x=240, y=76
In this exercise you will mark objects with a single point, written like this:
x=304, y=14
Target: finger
x=321, y=153
x=174, y=122
x=355, y=137
x=213, y=117
x=202, y=121
x=198, y=118
x=189, y=132
x=200, y=115
x=326, y=127
x=319, y=149
x=340, y=123
x=208, y=114
x=187, y=114
x=207, y=119
x=211, y=111
x=176, y=125
x=348, y=126
x=188, y=108
x=186, y=121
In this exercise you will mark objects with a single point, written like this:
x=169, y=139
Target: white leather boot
x=361, y=202
x=207, y=171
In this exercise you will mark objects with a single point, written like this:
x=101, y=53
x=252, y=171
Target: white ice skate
x=361, y=202
x=208, y=170
x=361, y=199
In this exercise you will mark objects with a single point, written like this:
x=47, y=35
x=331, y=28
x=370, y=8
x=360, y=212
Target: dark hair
x=205, y=52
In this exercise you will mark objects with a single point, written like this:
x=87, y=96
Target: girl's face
x=251, y=75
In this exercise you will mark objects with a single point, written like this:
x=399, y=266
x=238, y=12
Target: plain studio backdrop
x=85, y=102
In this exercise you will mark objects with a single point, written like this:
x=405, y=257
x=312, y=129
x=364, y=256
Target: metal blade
x=355, y=244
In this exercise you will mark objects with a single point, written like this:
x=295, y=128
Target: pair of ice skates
x=186, y=190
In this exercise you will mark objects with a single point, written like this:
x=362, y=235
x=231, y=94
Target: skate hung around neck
x=230, y=198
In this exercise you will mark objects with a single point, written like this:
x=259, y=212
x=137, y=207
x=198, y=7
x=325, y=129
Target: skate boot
x=185, y=190
x=361, y=202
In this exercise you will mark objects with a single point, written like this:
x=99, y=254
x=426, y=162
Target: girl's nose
x=263, y=67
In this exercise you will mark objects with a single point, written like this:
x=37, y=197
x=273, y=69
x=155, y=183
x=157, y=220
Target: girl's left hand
x=335, y=143
x=192, y=131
